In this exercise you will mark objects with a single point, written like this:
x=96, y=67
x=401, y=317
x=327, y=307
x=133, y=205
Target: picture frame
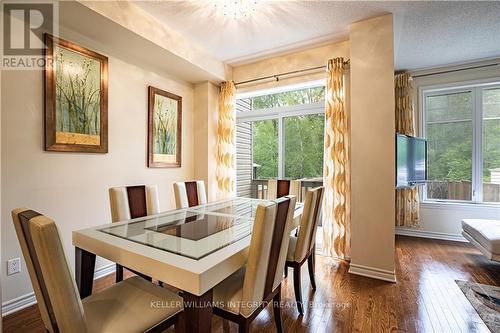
x=164, y=129
x=76, y=98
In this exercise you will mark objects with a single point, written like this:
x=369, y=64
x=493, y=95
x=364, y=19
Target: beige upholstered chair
x=123, y=307
x=301, y=247
x=245, y=293
x=277, y=188
x=189, y=194
x=130, y=202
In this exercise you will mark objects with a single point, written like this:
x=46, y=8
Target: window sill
x=430, y=204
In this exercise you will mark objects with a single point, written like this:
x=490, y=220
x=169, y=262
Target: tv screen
x=411, y=161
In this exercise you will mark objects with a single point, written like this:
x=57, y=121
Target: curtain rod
x=277, y=76
x=457, y=70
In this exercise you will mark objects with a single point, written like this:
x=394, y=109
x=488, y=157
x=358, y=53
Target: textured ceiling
x=426, y=33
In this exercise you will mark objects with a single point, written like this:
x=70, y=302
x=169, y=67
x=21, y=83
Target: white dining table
x=191, y=249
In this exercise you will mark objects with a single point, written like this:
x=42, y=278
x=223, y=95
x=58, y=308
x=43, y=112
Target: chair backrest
x=189, y=194
x=277, y=188
x=267, y=252
x=129, y=202
x=55, y=289
x=309, y=221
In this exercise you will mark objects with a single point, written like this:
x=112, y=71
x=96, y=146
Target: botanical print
x=77, y=92
x=76, y=98
x=164, y=129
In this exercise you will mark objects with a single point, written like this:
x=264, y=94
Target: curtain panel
x=226, y=142
x=407, y=201
x=336, y=179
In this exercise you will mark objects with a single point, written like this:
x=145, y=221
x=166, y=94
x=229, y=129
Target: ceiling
x=426, y=33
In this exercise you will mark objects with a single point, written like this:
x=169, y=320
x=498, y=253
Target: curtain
x=336, y=178
x=407, y=207
x=226, y=142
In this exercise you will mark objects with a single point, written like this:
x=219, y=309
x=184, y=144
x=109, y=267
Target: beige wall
x=289, y=62
x=206, y=100
x=72, y=187
x=372, y=147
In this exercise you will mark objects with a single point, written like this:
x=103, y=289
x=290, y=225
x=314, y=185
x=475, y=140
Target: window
x=280, y=136
x=462, y=126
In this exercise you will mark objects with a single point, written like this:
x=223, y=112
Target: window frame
x=476, y=87
x=280, y=113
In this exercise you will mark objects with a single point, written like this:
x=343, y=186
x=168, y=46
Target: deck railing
x=461, y=190
x=259, y=187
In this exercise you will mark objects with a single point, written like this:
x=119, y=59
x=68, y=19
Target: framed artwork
x=164, y=129
x=76, y=98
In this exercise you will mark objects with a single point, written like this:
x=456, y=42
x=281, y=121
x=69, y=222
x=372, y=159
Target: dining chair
x=302, y=246
x=189, y=194
x=127, y=306
x=277, y=188
x=130, y=202
x=244, y=294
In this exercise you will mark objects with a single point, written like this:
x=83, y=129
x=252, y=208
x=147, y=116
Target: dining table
x=191, y=249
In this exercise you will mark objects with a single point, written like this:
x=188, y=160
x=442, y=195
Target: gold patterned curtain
x=336, y=179
x=407, y=206
x=226, y=141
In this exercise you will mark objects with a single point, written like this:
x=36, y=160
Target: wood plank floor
x=425, y=298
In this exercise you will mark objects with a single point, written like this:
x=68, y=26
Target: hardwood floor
x=425, y=298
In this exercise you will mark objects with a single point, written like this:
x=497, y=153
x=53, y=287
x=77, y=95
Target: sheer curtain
x=226, y=142
x=407, y=206
x=336, y=204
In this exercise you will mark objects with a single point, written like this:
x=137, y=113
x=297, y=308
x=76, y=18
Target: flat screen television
x=411, y=161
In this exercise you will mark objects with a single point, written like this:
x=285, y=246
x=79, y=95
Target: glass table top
x=195, y=232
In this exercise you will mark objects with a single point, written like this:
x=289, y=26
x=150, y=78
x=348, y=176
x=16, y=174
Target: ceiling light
x=236, y=8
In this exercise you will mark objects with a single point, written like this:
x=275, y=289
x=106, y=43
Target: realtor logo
x=24, y=24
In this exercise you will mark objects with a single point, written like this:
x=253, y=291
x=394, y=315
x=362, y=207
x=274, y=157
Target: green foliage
x=288, y=98
x=491, y=147
x=265, y=148
x=449, y=151
x=304, y=142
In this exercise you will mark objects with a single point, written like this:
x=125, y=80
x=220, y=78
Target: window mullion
x=281, y=145
x=423, y=133
x=477, y=164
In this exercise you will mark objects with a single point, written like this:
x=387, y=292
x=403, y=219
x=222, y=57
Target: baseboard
x=104, y=270
x=430, y=234
x=29, y=299
x=372, y=272
x=18, y=303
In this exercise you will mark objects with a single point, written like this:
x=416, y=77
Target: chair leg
x=225, y=326
x=297, y=289
x=179, y=324
x=277, y=311
x=310, y=266
x=286, y=271
x=244, y=327
x=119, y=273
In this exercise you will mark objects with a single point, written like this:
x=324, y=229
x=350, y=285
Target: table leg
x=84, y=271
x=198, y=312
